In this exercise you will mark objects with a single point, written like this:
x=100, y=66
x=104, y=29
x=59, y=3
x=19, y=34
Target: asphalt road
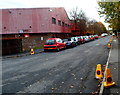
x=68, y=71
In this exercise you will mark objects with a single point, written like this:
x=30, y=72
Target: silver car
x=86, y=38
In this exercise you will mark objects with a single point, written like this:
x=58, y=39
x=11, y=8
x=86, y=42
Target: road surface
x=68, y=71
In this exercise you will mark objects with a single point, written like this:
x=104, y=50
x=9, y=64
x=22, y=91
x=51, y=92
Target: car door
x=59, y=42
x=62, y=44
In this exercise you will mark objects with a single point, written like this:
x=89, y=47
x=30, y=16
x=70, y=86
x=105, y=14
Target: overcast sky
x=88, y=6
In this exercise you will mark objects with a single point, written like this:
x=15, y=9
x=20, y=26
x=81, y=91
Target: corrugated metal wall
x=34, y=20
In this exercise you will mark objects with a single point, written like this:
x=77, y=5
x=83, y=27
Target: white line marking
x=102, y=86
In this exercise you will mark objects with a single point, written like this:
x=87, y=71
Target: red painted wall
x=33, y=20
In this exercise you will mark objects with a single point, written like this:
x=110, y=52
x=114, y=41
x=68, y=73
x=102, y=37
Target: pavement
x=114, y=65
x=37, y=51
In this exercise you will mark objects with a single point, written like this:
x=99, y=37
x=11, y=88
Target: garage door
x=11, y=46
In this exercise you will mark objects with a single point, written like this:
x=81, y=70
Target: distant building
x=27, y=28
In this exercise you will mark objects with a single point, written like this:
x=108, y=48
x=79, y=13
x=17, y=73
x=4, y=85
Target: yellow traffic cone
x=98, y=74
x=32, y=51
x=109, y=45
x=108, y=81
x=113, y=36
x=111, y=40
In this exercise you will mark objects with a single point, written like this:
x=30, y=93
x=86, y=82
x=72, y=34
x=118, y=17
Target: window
x=53, y=20
x=59, y=22
x=59, y=41
x=68, y=25
x=63, y=24
x=50, y=42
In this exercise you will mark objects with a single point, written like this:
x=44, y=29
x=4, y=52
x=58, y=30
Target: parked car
x=81, y=39
x=86, y=38
x=104, y=34
x=91, y=38
x=76, y=40
x=54, y=44
x=96, y=36
x=69, y=42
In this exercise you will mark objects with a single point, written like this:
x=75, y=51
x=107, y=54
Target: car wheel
x=72, y=44
x=58, y=49
x=45, y=50
x=65, y=47
x=76, y=44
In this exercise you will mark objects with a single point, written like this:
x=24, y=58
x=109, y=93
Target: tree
x=102, y=27
x=83, y=25
x=74, y=14
x=82, y=19
x=95, y=27
x=111, y=12
x=79, y=19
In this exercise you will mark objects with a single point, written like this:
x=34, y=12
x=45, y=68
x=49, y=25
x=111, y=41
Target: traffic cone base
x=108, y=85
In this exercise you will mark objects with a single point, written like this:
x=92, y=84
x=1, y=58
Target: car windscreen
x=69, y=39
x=65, y=40
x=50, y=42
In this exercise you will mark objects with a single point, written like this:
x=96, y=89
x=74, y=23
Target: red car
x=91, y=38
x=96, y=36
x=54, y=44
x=81, y=39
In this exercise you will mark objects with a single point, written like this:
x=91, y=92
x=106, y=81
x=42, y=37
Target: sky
x=90, y=7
